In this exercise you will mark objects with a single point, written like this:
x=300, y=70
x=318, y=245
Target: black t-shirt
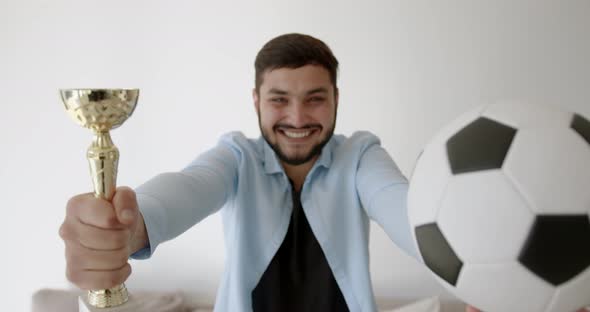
x=298, y=278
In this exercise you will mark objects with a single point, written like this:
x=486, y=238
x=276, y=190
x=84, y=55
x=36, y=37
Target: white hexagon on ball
x=489, y=206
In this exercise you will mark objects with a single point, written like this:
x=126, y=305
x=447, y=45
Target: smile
x=297, y=135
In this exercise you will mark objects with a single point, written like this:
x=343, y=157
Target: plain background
x=407, y=68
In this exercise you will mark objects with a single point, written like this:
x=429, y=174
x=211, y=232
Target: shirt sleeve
x=383, y=190
x=171, y=203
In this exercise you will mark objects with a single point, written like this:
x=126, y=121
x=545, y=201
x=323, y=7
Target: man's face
x=296, y=111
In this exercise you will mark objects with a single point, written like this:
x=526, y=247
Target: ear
x=336, y=93
x=256, y=99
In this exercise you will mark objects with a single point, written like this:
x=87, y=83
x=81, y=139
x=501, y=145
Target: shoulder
x=234, y=138
x=242, y=145
x=349, y=150
x=359, y=141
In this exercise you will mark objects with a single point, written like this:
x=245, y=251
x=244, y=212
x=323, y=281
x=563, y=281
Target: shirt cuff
x=150, y=209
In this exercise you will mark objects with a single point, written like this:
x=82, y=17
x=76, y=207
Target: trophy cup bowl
x=102, y=110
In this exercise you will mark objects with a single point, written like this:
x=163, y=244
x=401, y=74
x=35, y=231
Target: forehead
x=296, y=80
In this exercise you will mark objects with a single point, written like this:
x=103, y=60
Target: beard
x=297, y=159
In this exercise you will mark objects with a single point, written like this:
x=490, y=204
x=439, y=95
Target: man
x=296, y=202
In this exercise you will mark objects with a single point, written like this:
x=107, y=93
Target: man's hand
x=100, y=236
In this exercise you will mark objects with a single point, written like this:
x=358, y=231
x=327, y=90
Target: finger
x=93, y=211
x=99, y=279
x=125, y=204
x=93, y=237
x=82, y=258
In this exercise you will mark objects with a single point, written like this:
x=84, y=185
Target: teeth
x=297, y=135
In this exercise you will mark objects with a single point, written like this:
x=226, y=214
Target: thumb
x=125, y=204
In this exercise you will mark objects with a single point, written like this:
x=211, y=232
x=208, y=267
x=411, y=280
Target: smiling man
x=297, y=113
x=296, y=203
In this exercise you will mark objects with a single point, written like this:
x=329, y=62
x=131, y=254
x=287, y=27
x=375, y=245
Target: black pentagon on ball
x=558, y=247
x=582, y=126
x=481, y=145
x=438, y=255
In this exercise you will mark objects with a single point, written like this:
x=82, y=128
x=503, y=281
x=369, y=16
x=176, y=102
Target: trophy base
x=85, y=306
x=138, y=302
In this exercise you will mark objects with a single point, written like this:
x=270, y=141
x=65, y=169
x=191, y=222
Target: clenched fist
x=99, y=236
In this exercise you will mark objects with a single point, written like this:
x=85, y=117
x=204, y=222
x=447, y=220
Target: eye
x=278, y=100
x=317, y=99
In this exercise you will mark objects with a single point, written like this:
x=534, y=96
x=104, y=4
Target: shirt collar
x=272, y=164
x=271, y=161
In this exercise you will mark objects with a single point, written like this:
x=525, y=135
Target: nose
x=298, y=115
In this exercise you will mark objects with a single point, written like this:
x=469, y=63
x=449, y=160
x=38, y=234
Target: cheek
x=327, y=115
x=269, y=117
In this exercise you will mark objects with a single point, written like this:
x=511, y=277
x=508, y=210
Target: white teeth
x=297, y=135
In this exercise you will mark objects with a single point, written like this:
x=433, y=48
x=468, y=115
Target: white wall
x=407, y=67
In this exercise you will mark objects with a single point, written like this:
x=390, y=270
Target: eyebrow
x=277, y=91
x=317, y=90
x=312, y=91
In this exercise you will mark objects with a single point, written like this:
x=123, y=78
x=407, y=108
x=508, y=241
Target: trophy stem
x=103, y=158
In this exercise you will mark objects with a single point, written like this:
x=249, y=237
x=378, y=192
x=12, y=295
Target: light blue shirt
x=353, y=181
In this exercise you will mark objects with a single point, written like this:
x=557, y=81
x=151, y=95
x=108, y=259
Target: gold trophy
x=102, y=110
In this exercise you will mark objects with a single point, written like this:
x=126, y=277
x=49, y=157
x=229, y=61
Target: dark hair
x=294, y=51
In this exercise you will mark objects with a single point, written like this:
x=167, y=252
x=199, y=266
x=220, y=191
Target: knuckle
x=64, y=231
x=67, y=231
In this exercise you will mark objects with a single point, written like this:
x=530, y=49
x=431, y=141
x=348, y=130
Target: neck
x=298, y=173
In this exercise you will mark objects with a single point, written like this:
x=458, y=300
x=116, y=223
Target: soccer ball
x=499, y=206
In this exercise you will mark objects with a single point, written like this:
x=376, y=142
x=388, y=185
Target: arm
x=382, y=189
x=171, y=203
